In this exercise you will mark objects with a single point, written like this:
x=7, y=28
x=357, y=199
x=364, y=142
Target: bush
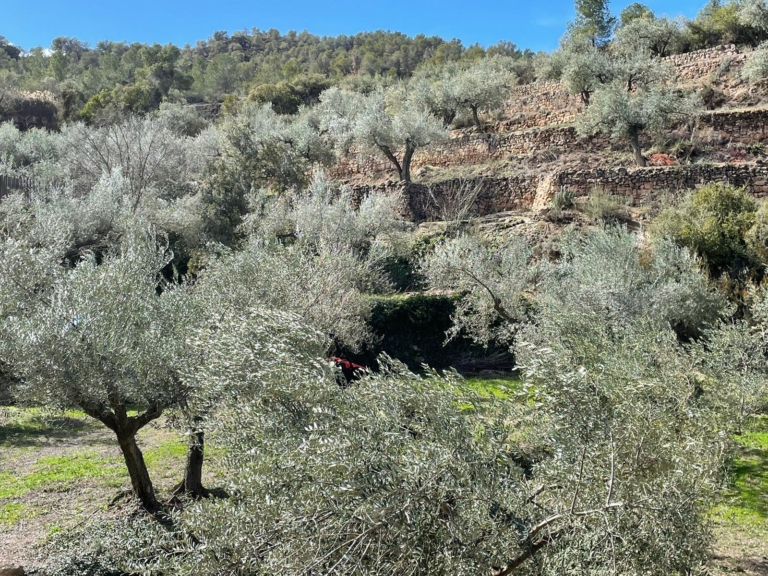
x=563, y=199
x=715, y=222
x=282, y=96
x=604, y=206
x=413, y=329
x=757, y=236
x=755, y=69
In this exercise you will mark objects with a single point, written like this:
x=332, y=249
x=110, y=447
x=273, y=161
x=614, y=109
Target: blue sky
x=535, y=24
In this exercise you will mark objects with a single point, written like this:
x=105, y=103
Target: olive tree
x=435, y=87
x=107, y=337
x=491, y=279
x=259, y=149
x=451, y=87
x=607, y=275
x=314, y=255
x=753, y=13
x=484, y=85
x=733, y=357
x=625, y=109
x=394, y=123
x=608, y=465
x=582, y=67
x=656, y=36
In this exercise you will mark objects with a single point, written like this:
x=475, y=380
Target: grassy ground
x=501, y=386
x=741, y=520
x=60, y=469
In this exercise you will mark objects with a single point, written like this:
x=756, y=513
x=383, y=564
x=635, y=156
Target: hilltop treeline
x=296, y=66
x=138, y=77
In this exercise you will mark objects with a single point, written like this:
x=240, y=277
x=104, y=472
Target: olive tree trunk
x=137, y=470
x=405, y=173
x=404, y=168
x=125, y=428
x=634, y=141
x=475, y=117
x=192, y=484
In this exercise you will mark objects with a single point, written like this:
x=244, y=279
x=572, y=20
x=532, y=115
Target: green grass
x=499, y=387
x=741, y=517
x=58, y=472
x=12, y=513
x=748, y=498
x=165, y=453
x=24, y=429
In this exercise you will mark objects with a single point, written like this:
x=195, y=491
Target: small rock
x=11, y=571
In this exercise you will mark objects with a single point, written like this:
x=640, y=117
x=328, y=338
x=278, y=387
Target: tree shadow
x=751, y=480
x=30, y=432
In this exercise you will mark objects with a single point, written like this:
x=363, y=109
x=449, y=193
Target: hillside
x=373, y=305
x=529, y=150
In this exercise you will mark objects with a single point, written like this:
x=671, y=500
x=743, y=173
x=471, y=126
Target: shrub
x=757, y=236
x=755, y=69
x=714, y=222
x=563, y=199
x=413, y=329
x=604, y=206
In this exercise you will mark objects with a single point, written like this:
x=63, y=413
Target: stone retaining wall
x=423, y=202
x=701, y=63
x=743, y=126
x=420, y=202
x=640, y=182
x=469, y=147
x=549, y=103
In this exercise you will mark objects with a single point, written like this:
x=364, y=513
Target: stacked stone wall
x=536, y=105
x=640, y=183
x=701, y=63
x=466, y=148
x=469, y=147
x=742, y=126
x=549, y=103
x=421, y=202
x=208, y=110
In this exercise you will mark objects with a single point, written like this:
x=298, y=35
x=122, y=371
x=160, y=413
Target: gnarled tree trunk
x=192, y=484
x=125, y=428
x=475, y=117
x=405, y=173
x=137, y=470
x=634, y=141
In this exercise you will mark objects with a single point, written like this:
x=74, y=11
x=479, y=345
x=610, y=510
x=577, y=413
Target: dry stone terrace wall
x=700, y=64
x=536, y=105
x=208, y=110
x=547, y=104
x=467, y=147
x=475, y=148
x=743, y=126
x=421, y=202
x=640, y=182
x=535, y=115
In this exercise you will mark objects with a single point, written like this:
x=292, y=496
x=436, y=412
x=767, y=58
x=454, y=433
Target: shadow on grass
x=750, y=469
x=751, y=479
x=29, y=431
